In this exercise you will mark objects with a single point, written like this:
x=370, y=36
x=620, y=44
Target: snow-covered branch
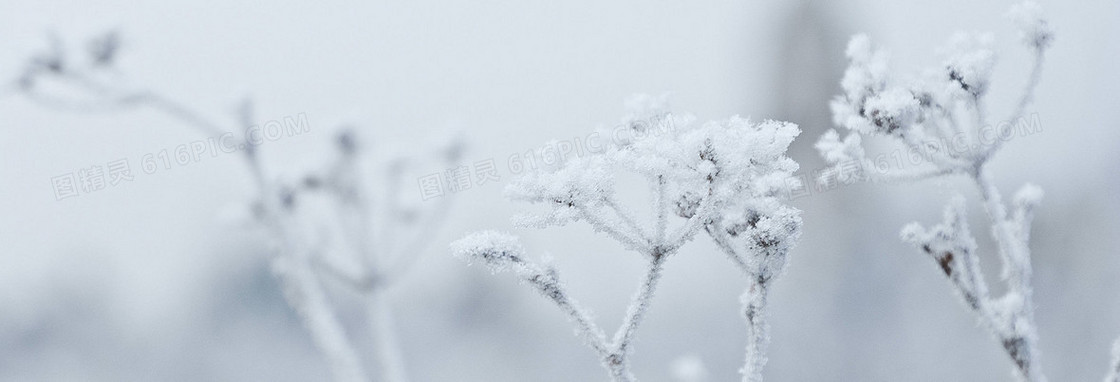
x=502, y=252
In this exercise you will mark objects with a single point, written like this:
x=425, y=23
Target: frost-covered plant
x=720, y=177
x=371, y=240
x=942, y=117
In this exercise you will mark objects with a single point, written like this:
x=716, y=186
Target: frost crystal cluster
x=721, y=178
x=941, y=118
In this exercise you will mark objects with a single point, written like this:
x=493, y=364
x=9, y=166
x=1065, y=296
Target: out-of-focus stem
x=386, y=347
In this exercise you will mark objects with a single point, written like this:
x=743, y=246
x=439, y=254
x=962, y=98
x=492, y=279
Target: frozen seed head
x=1029, y=195
x=500, y=251
x=891, y=109
x=1033, y=28
x=969, y=62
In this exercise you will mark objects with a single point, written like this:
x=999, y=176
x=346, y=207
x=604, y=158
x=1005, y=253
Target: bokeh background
x=157, y=278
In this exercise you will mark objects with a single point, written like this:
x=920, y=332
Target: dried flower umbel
x=942, y=118
x=720, y=177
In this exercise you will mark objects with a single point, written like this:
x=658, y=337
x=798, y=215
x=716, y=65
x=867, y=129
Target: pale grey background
x=149, y=281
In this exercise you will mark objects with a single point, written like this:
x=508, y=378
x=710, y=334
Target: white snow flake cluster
x=500, y=251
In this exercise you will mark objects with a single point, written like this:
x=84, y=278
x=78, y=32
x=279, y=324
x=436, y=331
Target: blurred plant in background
x=721, y=177
x=370, y=238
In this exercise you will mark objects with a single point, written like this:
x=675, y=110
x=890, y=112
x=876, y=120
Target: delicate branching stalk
x=618, y=360
x=724, y=172
x=758, y=242
x=942, y=119
x=503, y=252
x=370, y=224
x=305, y=294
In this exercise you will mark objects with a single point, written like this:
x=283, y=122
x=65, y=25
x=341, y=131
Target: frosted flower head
x=871, y=64
x=866, y=76
x=701, y=165
x=712, y=166
x=925, y=109
x=735, y=155
x=767, y=228
x=968, y=63
x=1029, y=195
x=891, y=110
x=577, y=183
x=1033, y=28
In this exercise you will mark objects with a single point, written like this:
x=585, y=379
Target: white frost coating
x=892, y=108
x=500, y=251
x=866, y=75
x=931, y=117
x=1028, y=196
x=720, y=177
x=1022, y=209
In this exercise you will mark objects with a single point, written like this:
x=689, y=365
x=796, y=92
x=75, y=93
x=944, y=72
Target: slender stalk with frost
x=941, y=118
x=383, y=244
x=720, y=177
x=761, y=252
